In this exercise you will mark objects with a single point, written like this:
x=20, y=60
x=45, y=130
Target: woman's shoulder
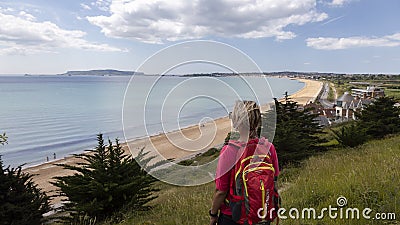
x=234, y=144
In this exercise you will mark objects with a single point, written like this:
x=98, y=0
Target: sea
x=51, y=116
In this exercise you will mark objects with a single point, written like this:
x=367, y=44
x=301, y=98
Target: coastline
x=160, y=142
x=308, y=93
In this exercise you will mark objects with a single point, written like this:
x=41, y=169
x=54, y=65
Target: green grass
x=201, y=159
x=368, y=176
x=393, y=93
x=391, y=87
x=331, y=93
x=176, y=205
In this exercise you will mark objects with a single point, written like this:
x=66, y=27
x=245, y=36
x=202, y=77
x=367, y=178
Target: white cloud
x=21, y=34
x=324, y=43
x=84, y=6
x=338, y=3
x=103, y=5
x=156, y=21
x=26, y=16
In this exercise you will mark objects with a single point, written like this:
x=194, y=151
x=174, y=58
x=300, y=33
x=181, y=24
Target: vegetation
x=391, y=83
x=21, y=201
x=393, y=92
x=314, y=182
x=106, y=182
x=176, y=205
x=350, y=135
x=331, y=93
x=380, y=118
x=368, y=176
x=318, y=182
x=3, y=139
x=296, y=133
x=231, y=136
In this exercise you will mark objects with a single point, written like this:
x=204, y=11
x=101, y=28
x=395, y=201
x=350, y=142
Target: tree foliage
x=21, y=201
x=380, y=118
x=350, y=135
x=3, y=139
x=296, y=131
x=106, y=181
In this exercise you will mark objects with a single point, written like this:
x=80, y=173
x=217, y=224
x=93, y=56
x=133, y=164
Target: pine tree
x=21, y=201
x=380, y=118
x=105, y=182
x=296, y=131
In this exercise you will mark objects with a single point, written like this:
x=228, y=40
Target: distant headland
x=107, y=72
x=288, y=74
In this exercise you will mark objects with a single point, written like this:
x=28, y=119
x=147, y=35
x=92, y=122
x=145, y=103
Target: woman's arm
x=218, y=200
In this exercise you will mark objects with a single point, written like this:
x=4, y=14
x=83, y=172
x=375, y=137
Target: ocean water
x=43, y=115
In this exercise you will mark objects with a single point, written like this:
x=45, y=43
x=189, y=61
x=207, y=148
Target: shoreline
x=161, y=142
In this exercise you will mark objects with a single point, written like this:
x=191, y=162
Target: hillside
x=367, y=176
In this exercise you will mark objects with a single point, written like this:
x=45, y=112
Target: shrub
x=380, y=118
x=105, y=182
x=21, y=201
x=350, y=136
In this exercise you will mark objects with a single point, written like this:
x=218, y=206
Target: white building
x=370, y=92
x=347, y=105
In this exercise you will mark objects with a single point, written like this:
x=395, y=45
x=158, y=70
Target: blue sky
x=345, y=36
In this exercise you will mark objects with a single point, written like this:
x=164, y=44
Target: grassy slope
x=177, y=205
x=368, y=176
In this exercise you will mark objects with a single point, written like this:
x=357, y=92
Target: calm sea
x=61, y=115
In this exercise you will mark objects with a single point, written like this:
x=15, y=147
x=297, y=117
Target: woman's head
x=246, y=117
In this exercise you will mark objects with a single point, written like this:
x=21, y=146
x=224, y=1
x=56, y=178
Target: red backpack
x=252, y=196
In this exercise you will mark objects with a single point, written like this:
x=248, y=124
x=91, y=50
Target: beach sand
x=197, y=137
x=309, y=93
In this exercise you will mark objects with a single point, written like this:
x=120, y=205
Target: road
x=324, y=97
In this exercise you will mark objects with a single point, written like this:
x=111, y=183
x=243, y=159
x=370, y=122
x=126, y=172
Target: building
x=325, y=116
x=370, y=92
x=347, y=105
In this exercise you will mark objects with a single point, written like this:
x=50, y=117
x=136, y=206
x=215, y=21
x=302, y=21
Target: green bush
x=106, y=182
x=380, y=118
x=21, y=201
x=350, y=136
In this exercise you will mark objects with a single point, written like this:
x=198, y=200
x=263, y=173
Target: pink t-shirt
x=226, y=162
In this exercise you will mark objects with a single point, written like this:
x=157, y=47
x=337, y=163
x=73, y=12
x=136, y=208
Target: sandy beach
x=309, y=93
x=197, y=136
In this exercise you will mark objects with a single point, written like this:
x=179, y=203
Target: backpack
x=252, y=196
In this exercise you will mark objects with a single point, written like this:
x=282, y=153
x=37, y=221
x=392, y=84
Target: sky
x=340, y=36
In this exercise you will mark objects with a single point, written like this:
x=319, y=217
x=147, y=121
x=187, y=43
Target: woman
x=246, y=119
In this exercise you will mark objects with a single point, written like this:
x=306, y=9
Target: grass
x=176, y=205
x=393, y=93
x=331, y=93
x=201, y=159
x=392, y=87
x=368, y=176
x=179, y=205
